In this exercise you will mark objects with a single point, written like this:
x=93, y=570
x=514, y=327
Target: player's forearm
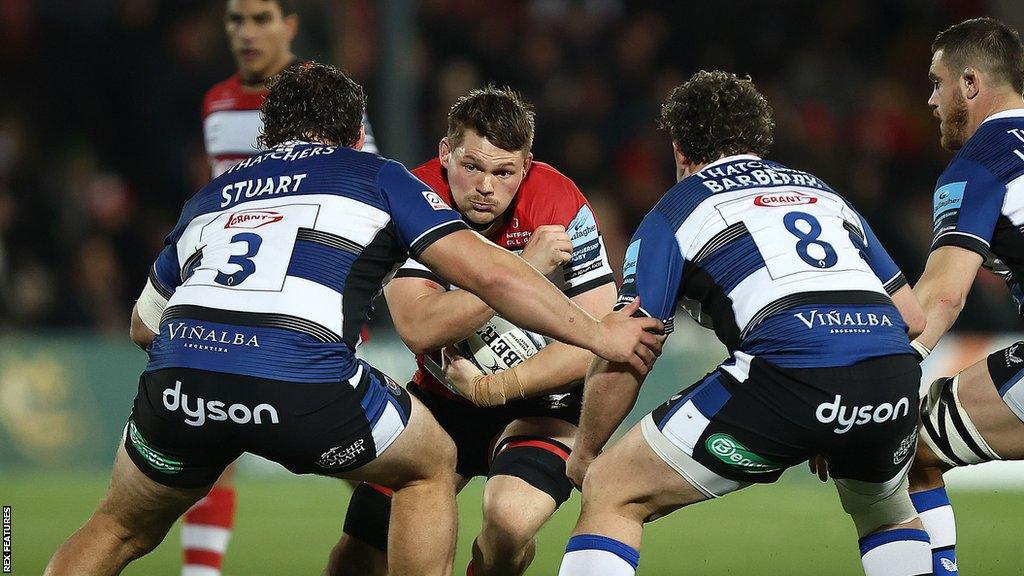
x=941, y=309
x=438, y=320
x=608, y=396
x=553, y=369
x=522, y=295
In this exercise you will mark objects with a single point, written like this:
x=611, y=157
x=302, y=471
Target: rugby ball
x=499, y=345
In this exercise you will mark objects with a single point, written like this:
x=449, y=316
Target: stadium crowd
x=101, y=141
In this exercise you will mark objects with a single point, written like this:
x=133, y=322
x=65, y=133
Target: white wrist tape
x=923, y=350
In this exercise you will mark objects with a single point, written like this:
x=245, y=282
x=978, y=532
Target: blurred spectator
x=100, y=139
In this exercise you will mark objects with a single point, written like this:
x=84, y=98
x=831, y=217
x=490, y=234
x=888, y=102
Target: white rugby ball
x=499, y=345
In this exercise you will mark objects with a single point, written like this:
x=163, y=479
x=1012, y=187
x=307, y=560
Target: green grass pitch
x=286, y=525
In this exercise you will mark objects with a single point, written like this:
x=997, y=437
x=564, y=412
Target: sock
x=206, y=531
x=937, y=515
x=899, y=552
x=595, y=555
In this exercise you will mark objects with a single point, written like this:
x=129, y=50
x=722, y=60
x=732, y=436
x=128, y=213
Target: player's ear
x=362, y=138
x=969, y=83
x=527, y=163
x=444, y=151
x=291, y=21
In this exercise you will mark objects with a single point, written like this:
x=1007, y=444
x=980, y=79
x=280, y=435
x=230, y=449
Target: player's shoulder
x=993, y=148
x=229, y=94
x=548, y=196
x=433, y=174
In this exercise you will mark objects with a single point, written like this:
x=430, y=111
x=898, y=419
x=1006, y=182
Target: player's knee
x=876, y=506
x=506, y=532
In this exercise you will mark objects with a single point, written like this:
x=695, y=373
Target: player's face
x=260, y=37
x=948, y=104
x=484, y=178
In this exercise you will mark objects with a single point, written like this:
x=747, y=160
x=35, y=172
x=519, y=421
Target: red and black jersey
x=546, y=196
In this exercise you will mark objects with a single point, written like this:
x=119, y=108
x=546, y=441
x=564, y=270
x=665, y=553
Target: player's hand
x=460, y=374
x=819, y=465
x=548, y=248
x=576, y=467
x=634, y=341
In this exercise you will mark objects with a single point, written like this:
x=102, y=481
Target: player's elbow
x=141, y=335
x=416, y=342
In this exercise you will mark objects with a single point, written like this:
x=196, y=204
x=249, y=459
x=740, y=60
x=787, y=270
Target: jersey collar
x=1012, y=113
x=735, y=157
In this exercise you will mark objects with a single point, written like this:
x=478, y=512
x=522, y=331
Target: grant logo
x=842, y=319
x=849, y=416
x=253, y=219
x=729, y=450
x=789, y=199
x=214, y=409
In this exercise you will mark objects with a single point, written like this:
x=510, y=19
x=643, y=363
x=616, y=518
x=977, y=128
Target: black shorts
x=187, y=425
x=475, y=429
x=863, y=418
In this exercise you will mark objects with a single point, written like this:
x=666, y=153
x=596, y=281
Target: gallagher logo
x=772, y=200
x=253, y=219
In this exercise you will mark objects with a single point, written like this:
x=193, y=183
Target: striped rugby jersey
x=979, y=198
x=771, y=258
x=272, y=266
x=232, y=123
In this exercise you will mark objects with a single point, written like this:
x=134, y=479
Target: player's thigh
x=987, y=390
x=422, y=451
x=141, y=504
x=632, y=479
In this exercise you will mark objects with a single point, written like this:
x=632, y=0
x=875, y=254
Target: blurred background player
x=252, y=313
x=813, y=312
x=260, y=33
x=515, y=427
x=977, y=74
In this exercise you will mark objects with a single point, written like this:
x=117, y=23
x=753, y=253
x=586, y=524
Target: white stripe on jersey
x=1013, y=202
x=297, y=297
x=232, y=132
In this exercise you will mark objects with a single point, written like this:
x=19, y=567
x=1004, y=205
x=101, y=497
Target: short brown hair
x=716, y=114
x=986, y=43
x=501, y=115
x=312, y=101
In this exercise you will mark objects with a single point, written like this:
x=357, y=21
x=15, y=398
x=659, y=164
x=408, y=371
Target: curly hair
x=501, y=115
x=312, y=101
x=716, y=114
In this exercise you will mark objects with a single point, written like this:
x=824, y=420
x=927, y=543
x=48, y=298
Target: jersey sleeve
x=966, y=207
x=420, y=216
x=588, y=268
x=415, y=269
x=653, y=270
x=871, y=249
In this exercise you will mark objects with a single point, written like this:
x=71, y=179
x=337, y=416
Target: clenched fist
x=549, y=247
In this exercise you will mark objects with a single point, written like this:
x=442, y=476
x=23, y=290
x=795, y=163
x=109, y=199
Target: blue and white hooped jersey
x=272, y=266
x=979, y=198
x=772, y=259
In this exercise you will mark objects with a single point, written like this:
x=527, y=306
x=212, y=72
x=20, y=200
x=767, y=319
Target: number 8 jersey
x=772, y=259
x=271, y=269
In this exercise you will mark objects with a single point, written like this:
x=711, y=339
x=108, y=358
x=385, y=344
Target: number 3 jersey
x=771, y=258
x=979, y=199
x=272, y=266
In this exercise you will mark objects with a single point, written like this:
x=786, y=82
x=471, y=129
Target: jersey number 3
x=243, y=261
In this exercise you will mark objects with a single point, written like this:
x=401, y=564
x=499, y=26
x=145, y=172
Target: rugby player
x=260, y=34
x=516, y=427
x=815, y=315
x=977, y=74
x=257, y=302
